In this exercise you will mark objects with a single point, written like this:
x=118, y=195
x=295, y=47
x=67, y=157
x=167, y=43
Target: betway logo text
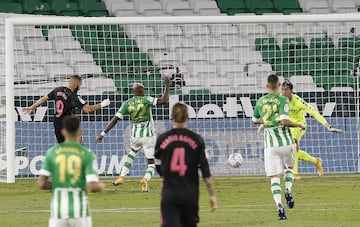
x=231, y=108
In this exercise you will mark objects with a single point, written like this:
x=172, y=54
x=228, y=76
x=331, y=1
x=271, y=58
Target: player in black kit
x=181, y=152
x=66, y=101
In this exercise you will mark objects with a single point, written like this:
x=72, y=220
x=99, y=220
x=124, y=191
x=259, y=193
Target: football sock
x=296, y=163
x=149, y=171
x=129, y=161
x=289, y=179
x=303, y=155
x=276, y=190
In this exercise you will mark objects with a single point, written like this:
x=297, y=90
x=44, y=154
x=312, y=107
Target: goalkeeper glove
x=261, y=127
x=332, y=129
x=105, y=103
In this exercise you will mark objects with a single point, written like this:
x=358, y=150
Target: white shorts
x=71, y=222
x=278, y=158
x=147, y=144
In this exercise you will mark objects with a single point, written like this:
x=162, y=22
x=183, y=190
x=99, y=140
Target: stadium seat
x=66, y=44
x=190, y=58
x=37, y=7
x=11, y=7
x=196, y=31
x=152, y=44
x=222, y=57
x=322, y=42
x=230, y=69
x=134, y=31
x=97, y=85
x=178, y=7
x=78, y=57
x=237, y=44
x=210, y=45
x=21, y=60
x=183, y=44
x=93, y=8
x=58, y=71
x=293, y=43
x=49, y=57
x=87, y=69
x=165, y=58
x=169, y=30
x=145, y=7
x=287, y=6
x=232, y=7
x=40, y=88
x=59, y=33
x=224, y=29
x=265, y=44
x=260, y=6
x=203, y=5
x=31, y=46
x=342, y=89
x=32, y=72
x=65, y=8
x=249, y=57
x=252, y=30
x=344, y=6
x=317, y=7
x=22, y=32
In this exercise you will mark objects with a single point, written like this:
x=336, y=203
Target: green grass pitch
x=330, y=200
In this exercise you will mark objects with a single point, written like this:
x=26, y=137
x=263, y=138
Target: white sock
x=128, y=163
x=149, y=171
x=276, y=190
x=289, y=179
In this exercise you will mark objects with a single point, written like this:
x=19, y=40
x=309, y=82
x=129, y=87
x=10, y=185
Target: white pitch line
x=202, y=209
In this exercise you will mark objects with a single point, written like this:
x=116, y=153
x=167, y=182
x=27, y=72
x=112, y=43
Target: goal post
x=218, y=66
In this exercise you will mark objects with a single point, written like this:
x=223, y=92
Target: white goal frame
x=10, y=22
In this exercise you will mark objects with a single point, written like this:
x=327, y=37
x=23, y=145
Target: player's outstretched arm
x=96, y=186
x=212, y=198
x=111, y=124
x=31, y=108
x=289, y=123
x=44, y=183
x=92, y=108
x=165, y=98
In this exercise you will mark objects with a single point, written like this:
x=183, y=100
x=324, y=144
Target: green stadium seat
x=293, y=43
x=11, y=7
x=260, y=6
x=37, y=7
x=324, y=42
x=349, y=54
x=288, y=69
x=307, y=55
x=199, y=92
x=329, y=54
x=93, y=8
x=315, y=68
x=66, y=8
x=349, y=42
x=342, y=67
x=175, y=92
x=265, y=44
x=122, y=45
x=232, y=7
x=287, y=6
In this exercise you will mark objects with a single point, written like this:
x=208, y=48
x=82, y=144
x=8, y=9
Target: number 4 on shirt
x=177, y=163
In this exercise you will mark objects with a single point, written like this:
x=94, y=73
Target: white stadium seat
x=122, y=7
x=79, y=57
x=222, y=57
x=97, y=85
x=196, y=30
x=180, y=7
x=38, y=45
x=194, y=58
x=20, y=60
x=152, y=44
x=149, y=6
x=87, y=69
x=231, y=69
x=344, y=6
x=185, y=43
x=165, y=58
x=32, y=72
x=203, y=70
x=66, y=44
x=204, y=4
x=58, y=70
x=224, y=29
x=249, y=56
x=49, y=57
x=134, y=31
x=22, y=32
x=208, y=44
x=39, y=89
x=317, y=7
x=169, y=30
x=342, y=89
x=59, y=32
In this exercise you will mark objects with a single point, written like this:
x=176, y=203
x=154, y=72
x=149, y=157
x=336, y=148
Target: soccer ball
x=235, y=160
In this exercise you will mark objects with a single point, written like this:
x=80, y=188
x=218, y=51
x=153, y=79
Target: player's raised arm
x=31, y=108
x=91, y=108
x=165, y=98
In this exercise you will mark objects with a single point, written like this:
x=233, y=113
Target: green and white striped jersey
x=272, y=108
x=139, y=109
x=71, y=166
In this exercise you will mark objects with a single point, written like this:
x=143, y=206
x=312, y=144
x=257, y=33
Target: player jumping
x=73, y=168
x=143, y=133
x=66, y=101
x=182, y=153
x=272, y=110
x=297, y=108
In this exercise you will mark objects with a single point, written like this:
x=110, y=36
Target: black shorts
x=60, y=138
x=175, y=214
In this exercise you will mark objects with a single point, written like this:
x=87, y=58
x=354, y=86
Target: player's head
x=75, y=83
x=273, y=82
x=179, y=114
x=138, y=89
x=287, y=88
x=71, y=128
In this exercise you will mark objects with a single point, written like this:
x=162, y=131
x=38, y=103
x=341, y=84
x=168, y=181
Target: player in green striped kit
x=73, y=169
x=142, y=133
x=272, y=110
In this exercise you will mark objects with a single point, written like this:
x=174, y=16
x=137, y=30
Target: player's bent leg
x=189, y=213
x=125, y=169
x=319, y=166
x=149, y=150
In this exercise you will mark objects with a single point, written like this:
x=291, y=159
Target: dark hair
x=273, y=81
x=71, y=124
x=76, y=77
x=287, y=83
x=179, y=113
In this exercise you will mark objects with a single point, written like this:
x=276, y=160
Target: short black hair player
x=66, y=101
x=182, y=152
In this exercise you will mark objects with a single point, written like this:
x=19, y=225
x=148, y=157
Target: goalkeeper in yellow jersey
x=297, y=108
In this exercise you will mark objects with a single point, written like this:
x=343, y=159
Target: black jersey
x=182, y=153
x=65, y=103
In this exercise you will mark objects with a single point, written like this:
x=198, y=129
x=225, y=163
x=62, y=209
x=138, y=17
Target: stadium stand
x=124, y=53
